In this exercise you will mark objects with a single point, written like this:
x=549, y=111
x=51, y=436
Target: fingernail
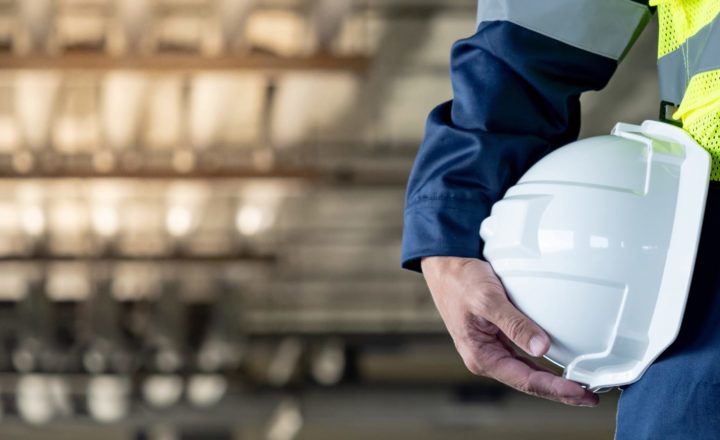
x=576, y=393
x=584, y=403
x=537, y=346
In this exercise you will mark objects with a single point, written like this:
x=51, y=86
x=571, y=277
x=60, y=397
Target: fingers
x=492, y=356
x=496, y=308
x=481, y=319
x=530, y=379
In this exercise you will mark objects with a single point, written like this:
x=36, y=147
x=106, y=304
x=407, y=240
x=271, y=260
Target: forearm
x=516, y=98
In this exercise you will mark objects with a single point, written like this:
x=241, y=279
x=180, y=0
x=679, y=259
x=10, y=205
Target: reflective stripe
x=603, y=27
x=673, y=77
x=703, y=54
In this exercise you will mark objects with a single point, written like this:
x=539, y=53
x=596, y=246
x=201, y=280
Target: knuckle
x=523, y=387
x=486, y=303
x=528, y=387
x=490, y=286
x=515, y=327
x=473, y=364
x=482, y=305
x=474, y=367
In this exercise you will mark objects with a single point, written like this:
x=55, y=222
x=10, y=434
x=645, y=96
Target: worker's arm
x=516, y=86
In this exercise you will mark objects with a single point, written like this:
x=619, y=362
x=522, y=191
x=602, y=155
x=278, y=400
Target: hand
x=483, y=323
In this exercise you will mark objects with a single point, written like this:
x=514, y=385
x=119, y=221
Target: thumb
x=522, y=331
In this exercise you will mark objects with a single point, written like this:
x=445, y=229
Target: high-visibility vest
x=689, y=68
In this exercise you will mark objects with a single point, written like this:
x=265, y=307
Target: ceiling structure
x=201, y=207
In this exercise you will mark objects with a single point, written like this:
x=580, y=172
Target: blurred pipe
x=77, y=127
x=104, y=348
x=35, y=98
x=233, y=16
x=167, y=335
x=327, y=20
x=285, y=362
x=286, y=421
x=133, y=20
x=34, y=334
x=35, y=24
x=9, y=134
x=328, y=364
x=208, y=109
x=59, y=394
x=123, y=101
x=9, y=221
x=293, y=122
x=165, y=113
x=282, y=32
x=218, y=353
x=224, y=346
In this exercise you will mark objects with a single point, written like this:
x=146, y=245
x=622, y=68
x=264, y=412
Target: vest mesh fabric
x=700, y=113
x=700, y=107
x=681, y=19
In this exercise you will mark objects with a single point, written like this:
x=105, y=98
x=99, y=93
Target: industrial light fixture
x=33, y=399
x=162, y=390
x=33, y=220
x=252, y=219
x=105, y=220
x=179, y=221
x=108, y=398
x=206, y=389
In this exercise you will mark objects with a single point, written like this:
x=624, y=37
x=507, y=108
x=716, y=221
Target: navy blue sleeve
x=516, y=98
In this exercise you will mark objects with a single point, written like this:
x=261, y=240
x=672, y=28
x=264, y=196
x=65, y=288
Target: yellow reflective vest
x=689, y=68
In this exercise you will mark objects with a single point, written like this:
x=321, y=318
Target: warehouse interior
x=200, y=223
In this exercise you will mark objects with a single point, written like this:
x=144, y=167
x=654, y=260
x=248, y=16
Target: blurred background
x=200, y=221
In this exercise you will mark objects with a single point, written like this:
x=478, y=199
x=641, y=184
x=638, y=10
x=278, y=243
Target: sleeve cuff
x=442, y=227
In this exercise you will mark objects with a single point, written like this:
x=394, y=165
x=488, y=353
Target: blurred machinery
x=200, y=216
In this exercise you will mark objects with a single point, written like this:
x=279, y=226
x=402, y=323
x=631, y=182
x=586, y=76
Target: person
x=516, y=88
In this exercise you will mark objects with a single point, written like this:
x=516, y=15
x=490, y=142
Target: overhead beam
x=91, y=61
x=390, y=169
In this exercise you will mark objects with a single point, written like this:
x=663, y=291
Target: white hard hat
x=596, y=243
